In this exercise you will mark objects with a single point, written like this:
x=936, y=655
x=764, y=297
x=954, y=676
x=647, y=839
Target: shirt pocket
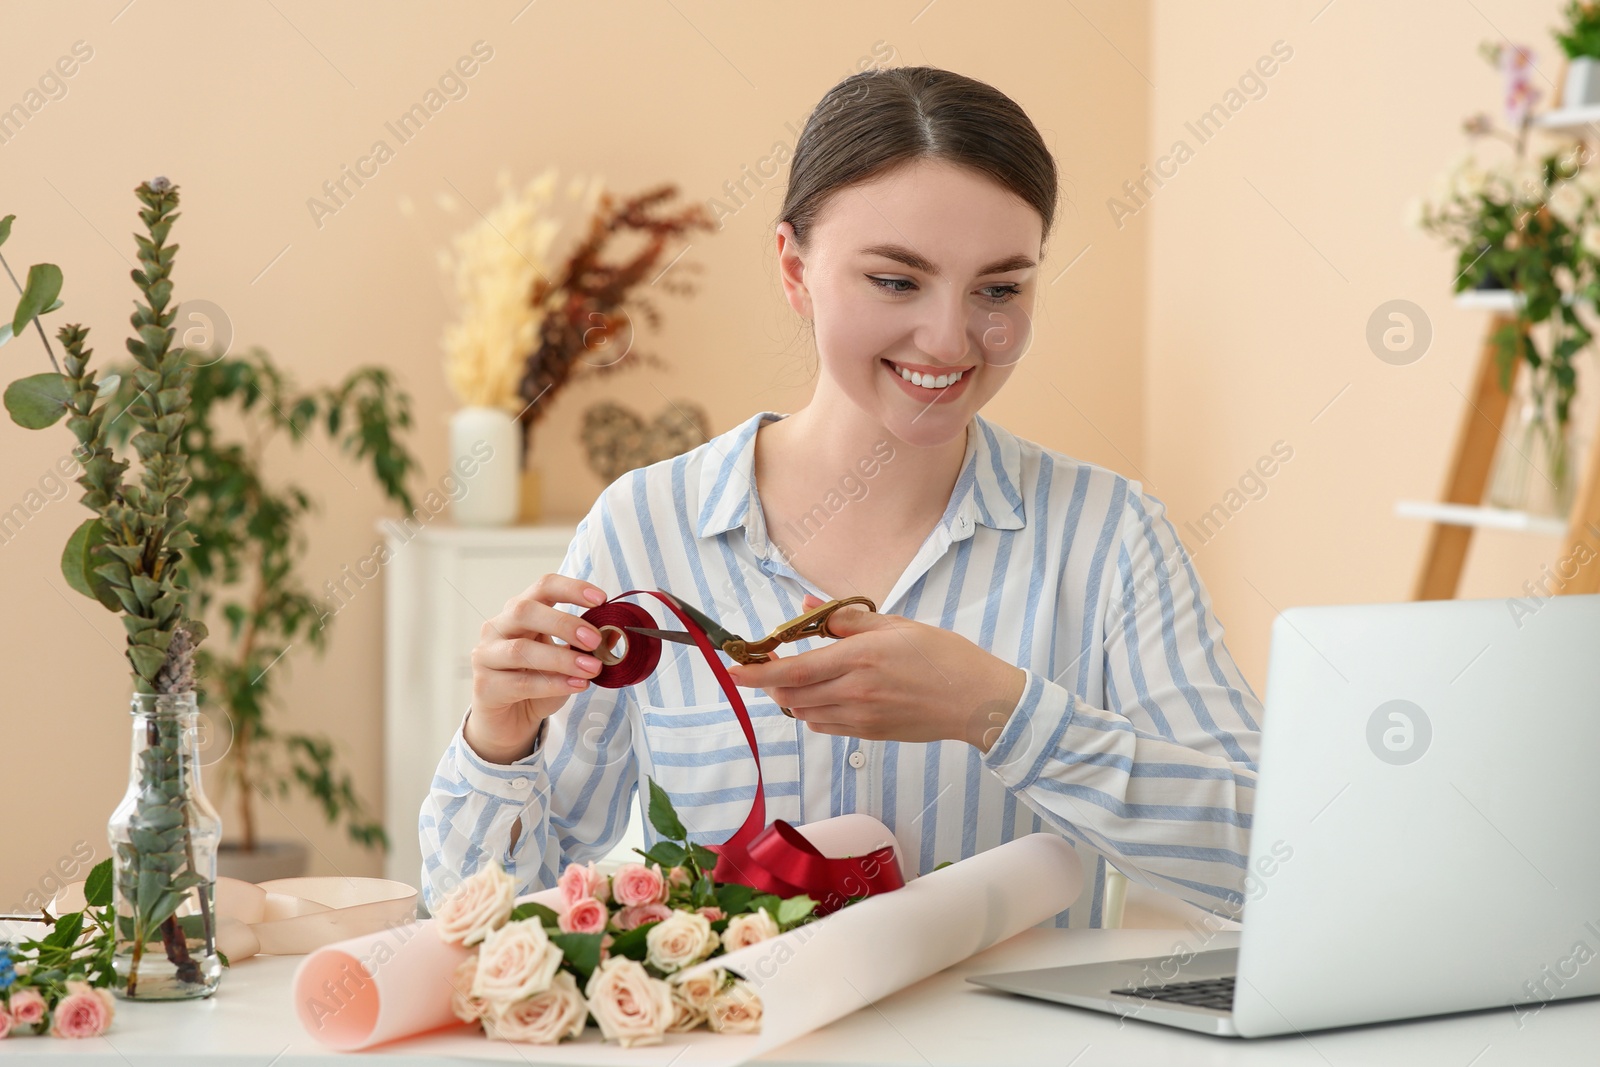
x=700, y=756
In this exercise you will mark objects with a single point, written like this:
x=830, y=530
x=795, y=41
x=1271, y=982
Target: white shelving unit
x=1480, y=516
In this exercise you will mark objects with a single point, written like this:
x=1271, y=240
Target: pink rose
x=711, y=914
x=480, y=904
x=5, y=1024
x=631, y=1007
x=678, y=877
x=635, y=883
x=639, y=914
x=585, y=916
x=83, y=1012
x=578, y=882
x=28, y=1007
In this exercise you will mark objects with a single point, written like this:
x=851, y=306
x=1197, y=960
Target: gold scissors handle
x=813, y=623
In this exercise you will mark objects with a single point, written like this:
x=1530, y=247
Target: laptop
x=1426, y=831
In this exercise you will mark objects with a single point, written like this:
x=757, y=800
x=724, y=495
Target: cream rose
x=751, y=928
x=481, y=903
x=631, y=1007
x=679, y=940
x=735, y=1010
x=516, y=961
x=697, y=991
x=543, y=1019
x=467, y=1008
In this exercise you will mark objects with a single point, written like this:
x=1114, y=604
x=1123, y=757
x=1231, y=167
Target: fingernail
x=588, y=663
x=589, y=636
x=577, y=683
x=594, y=596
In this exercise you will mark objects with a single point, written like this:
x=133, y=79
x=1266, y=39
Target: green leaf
x=44, y=285
x=580, y=951
x=97, y=887
x=106, y=385
x=531, y=910
x=66, y=930
x=667, y=853
x=704, y=858
x=5, y=332
x=793, y=910
x=662, y=815
x=733, y=898
x=631, y=943
x=38, y=400
x=166, y=904
x=5, y=228
x=78, y=560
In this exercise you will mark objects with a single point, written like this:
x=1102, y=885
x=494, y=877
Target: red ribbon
x=770, y=859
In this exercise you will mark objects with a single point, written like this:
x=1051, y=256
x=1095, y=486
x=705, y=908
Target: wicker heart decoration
x=618, y=440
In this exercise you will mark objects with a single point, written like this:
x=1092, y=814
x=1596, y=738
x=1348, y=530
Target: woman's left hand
x=890, y=678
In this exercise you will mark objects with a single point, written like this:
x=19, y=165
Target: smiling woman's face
x=931, y=268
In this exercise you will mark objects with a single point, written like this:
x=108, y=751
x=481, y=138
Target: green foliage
x=80, y=945
x=248, y=542
x=1581, y=35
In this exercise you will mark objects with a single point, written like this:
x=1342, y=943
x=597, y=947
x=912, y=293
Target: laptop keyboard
x=1200, y=993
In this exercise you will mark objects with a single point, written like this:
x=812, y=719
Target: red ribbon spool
x=770, y=859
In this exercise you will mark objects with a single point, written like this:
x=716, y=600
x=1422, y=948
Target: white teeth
x=928, y=381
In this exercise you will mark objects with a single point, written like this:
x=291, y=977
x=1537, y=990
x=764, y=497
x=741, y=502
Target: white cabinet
x=441, y=583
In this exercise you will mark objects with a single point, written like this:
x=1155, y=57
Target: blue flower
x=8, y=973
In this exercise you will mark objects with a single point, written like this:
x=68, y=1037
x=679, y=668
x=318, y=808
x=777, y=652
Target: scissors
x=813, y=623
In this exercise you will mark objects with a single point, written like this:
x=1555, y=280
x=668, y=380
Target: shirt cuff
x=1019, y=755
x=519, y=780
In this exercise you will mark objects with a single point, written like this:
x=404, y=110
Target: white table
x=943, y=1020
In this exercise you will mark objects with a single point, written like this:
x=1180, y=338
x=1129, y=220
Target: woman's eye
x=1005, y=293
x=886, y=283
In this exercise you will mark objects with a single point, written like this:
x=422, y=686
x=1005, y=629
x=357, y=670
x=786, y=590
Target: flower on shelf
x=617, y=949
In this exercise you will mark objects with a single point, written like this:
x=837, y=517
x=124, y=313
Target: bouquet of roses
x=615, y=950
x=57, y=984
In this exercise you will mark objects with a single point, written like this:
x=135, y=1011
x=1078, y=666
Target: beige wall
x=1219, y=319
x=257, y=109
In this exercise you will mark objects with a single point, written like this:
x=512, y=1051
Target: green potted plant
x=1580, y=40
x=242, y=575
x=1526, y=224
x=127, y=557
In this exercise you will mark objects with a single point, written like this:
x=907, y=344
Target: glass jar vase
x=1535, y=462
x=164, y=837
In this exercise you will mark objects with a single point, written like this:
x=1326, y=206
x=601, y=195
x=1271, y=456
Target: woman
x=1044, y=656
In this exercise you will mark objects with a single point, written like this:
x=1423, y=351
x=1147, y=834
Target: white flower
x=631, y=1007
x=683, y=938
x=751, y=928
x=1591, y=239
x=543, y=1019
x=466, y=1007
x=1567, y=202
x=692, y=997
x=735, y=1010
x=481, y=903
x=517, y=961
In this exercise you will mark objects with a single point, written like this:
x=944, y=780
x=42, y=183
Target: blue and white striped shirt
x=1136, y=737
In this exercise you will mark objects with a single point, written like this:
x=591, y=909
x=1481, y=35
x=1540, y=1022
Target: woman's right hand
x=519, y=677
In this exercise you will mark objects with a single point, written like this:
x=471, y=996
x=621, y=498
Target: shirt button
x=858, y=759
x=519, y=783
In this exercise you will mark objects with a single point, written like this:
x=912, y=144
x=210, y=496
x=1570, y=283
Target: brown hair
x=879, y=119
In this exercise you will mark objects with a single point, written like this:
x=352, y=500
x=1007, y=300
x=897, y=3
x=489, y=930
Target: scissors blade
x=666, y=635
x=718, y=635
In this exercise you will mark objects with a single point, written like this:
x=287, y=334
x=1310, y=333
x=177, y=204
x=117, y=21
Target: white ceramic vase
x=483, y=456
x=1583, y=83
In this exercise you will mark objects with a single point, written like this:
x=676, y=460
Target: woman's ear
x=792, y=270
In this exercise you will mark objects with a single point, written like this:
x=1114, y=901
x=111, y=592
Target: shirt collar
x=988, y=490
